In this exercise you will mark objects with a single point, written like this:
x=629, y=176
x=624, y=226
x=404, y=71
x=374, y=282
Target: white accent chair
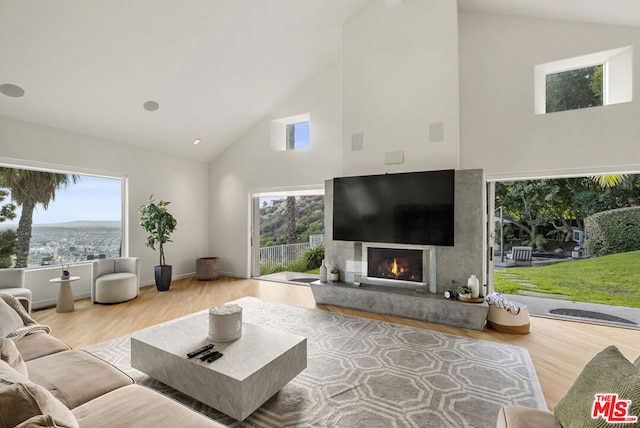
x=115, y=280
x=12, y=281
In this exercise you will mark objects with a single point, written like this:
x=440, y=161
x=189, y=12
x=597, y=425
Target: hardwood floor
x=559, y=349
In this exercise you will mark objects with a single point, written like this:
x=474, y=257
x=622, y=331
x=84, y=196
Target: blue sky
x=91, y=198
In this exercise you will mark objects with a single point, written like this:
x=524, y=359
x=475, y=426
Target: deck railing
x=284, y=254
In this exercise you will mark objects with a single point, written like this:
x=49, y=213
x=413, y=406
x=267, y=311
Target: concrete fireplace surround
x=454, y=265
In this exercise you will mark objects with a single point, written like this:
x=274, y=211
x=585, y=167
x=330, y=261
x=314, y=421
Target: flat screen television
x=406, y=208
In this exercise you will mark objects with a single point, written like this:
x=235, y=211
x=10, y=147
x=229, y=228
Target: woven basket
x=207, y=268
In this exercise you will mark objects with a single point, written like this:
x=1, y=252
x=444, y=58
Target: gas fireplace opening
x=398, y=264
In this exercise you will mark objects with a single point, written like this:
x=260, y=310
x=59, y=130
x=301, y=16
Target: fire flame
x=395, y=269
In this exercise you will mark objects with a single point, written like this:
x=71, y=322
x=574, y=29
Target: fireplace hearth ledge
x=424, y=307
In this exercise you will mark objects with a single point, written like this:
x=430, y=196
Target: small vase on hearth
x=323, y=272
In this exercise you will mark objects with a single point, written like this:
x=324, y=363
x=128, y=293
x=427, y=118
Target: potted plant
x=464, y=292
x=334, y=275
x=160, y=224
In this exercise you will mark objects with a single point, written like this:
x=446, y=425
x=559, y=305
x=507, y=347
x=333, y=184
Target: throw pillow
x=10, y=354
x=10, y=321
x=616, y=382
x=21, y=400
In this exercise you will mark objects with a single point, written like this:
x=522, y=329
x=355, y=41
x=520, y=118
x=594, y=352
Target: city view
x=73, y=242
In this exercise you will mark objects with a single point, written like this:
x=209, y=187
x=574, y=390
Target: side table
x=65, y=295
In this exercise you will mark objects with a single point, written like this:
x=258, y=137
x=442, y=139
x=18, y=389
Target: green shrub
x=313, y=257
x=266, y=270
x=612, y=232
x=298, y=265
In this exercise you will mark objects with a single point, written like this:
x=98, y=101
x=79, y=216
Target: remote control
x=199, y=351
x=208, y=355
x=214, y=357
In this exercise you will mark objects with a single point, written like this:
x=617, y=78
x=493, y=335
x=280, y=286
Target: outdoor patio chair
x=521, y=254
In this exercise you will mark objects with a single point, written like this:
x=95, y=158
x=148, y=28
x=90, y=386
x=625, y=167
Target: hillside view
x=309, y=218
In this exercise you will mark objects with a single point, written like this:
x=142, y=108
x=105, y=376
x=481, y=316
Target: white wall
x=400, y=74
x=499, y=130
x=250, y=164
x=182, y=182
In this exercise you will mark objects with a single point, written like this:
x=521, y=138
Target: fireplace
x=395, y=263
x=396, y=266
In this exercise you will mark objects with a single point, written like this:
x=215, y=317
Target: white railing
x=282, y=254
x=316, y=240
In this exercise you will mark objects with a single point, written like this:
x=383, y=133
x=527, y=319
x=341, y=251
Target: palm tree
x=29, y=188
x=606, y=181
x=292, y=233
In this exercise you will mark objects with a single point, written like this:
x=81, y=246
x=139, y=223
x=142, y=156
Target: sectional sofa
x=44, y=383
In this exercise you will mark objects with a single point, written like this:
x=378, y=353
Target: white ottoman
x=506, y=321
x=116, y=287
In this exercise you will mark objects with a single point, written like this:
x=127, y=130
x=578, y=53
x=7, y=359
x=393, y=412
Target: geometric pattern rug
x=367, y=373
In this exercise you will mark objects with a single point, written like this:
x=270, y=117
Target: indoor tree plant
x=160, y=224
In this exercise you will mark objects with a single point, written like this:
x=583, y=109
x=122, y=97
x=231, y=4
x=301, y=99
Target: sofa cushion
x=525, y=417
x=21, y=399
x=38, y=345
x=10, y=321
x=609, y=372
x=75, y=377
x=42, y=421
x=137, y=406
x=10, y=355
x=116, y=287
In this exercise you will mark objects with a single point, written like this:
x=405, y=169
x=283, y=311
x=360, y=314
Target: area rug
x=366, y=373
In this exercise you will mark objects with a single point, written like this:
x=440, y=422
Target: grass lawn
x=612, y=280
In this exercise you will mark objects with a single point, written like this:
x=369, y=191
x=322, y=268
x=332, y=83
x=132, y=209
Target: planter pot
x=334, y=277
x=163, y=277
x=207, y=268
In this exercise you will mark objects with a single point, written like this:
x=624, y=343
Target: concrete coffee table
x=253, y=368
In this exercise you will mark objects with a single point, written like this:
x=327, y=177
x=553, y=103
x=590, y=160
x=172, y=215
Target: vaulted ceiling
x=214, y=67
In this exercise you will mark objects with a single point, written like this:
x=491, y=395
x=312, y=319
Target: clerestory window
x=597, y=79
x=291, y=133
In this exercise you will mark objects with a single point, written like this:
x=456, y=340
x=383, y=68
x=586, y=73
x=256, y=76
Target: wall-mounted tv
x=406, y=208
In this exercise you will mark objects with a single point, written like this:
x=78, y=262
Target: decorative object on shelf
x=464, y=292
x=323, y=272
x=474, y=284
x=160, y=224
x=225, y=323
x=335, y=275
x=65, y=271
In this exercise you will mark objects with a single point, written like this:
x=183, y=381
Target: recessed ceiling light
x=11, y=90
x=151, y=106
x=196, y=141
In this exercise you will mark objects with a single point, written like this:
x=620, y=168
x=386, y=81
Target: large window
x=75, y=217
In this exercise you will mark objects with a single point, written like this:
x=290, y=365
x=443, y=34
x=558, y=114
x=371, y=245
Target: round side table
x=65, y=294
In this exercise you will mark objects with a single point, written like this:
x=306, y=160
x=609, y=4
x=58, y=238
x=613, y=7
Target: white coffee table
x=252, y=370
